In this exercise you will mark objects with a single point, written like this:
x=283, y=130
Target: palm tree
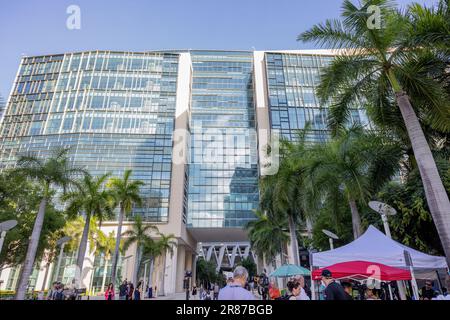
x=105, y=246
x=165, y=245
x=384, y=65
x=267, y=235
x=139, y=235
x=152, y=250
x=289, y=192
x=93, y=201
x=54, y=171
x=126, y=194
x=357, y=163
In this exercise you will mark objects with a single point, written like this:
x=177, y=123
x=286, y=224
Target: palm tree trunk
x=164, y=274
x=105, y=270
x=293, y=239
x=83, y=243
x=47, y=267
x=435, y=192
x=356, y=219
x=31, y=251
x=116, y=249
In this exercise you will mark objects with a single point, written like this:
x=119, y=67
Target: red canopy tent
x=364, y=270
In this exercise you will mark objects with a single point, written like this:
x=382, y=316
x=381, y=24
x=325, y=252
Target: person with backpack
x=294, y=287
x=59, y=293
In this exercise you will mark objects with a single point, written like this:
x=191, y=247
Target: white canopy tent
x=375, y=246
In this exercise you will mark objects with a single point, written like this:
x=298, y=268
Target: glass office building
x=223, y=168
x=119, y=110
x=292, y=79
x=114, y=110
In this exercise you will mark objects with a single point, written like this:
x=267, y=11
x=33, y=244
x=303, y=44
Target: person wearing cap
x=235, y=290
x=333, y=290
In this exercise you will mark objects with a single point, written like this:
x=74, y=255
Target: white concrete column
x=181, y=268
x=170, y=272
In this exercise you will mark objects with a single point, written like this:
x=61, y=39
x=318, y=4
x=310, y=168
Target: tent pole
x=401, y=290
x=390, y=292
x=439, y=281
x=311, y=268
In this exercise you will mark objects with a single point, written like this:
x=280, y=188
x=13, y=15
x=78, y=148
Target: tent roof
x=375, y=246
x=364, y=270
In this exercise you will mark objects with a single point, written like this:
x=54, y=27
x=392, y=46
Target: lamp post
x=61, y=242
x=384, y=210
x=331, y=236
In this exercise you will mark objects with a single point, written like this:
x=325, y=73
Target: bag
x=285, y=297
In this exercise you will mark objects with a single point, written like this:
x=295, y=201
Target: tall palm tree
x=54, y=171
x=356, y=163
x=289, y=192
x=165, y=244
x=93, y=201
x=267, y=235
x=383, y=65
x=126, y=194
x=139, y=234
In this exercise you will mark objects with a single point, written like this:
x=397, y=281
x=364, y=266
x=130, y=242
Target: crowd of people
x=240, y=287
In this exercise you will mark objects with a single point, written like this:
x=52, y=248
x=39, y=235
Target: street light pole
x=331, y=243
x=331, y=236
x=387, y=230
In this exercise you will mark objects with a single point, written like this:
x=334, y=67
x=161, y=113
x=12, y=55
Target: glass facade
x=292, y=79
x=115, y=110
x=223, y=169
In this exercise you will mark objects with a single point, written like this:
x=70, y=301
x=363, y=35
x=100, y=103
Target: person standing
x=348, y=288
x=59, y=293
x=130, y=291
x=137, y=291
x=52, y=290
x=295, y=289
x=333, y=290
x=303, y=294
x=274, y=292
x=194, y=292
x=235, y=290
x=109, y=293
x=216, y=291
x=123, y=291
x=427, y=292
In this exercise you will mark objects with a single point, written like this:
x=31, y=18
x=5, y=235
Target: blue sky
x=33, y=27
